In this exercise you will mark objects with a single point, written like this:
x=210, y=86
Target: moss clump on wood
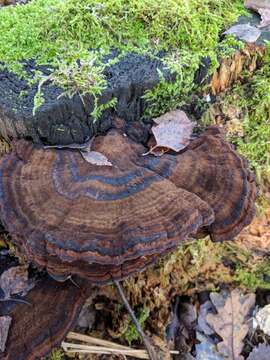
x=58, y=33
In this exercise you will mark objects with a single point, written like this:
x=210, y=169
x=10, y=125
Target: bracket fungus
x=40, y=324
x=62, y=210
x=98, y=222
x=103, y=223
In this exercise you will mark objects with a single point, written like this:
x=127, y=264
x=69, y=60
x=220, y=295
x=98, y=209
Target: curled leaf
x=173, y=131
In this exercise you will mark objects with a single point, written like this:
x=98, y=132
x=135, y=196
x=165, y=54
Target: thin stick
x=95, y=341
x=140, y=354
x=151, y=352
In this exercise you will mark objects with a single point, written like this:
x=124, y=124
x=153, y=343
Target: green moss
x=254, y=277
x=59, y=33
x=56, y=354
x=254, y=99
x=130, y=333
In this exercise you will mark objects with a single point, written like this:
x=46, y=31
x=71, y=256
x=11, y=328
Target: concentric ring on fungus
x=107, y=222
x=104, y=223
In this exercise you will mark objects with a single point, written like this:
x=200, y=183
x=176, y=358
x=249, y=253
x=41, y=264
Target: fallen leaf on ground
x=206, y=350
x=262, y=319
x=96, y=158
x=174, y=324
x=5, y=322
x=205, y=309
x=15, y=281
x=261, y=352
x=244, y=32
x=265, y=16
x=173, y=131
x=263, y=8
x=230, y=322
x=185, y=338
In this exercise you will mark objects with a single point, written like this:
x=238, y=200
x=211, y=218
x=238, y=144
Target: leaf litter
x=261, y=352
x=262, y=7
x=231, y=321
x=15, y=281
x=172, y=131
x=262, y=320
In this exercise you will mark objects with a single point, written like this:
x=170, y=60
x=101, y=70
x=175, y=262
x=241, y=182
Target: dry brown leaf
x=230, y=322
x=206, y=350
x=261, y=352
x=173, y=131
x=96, y=158
x=15, y=281
x=5, y=322
x=262, y=7
x=256, y=237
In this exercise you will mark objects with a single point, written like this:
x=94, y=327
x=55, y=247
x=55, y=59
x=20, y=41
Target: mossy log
x=64, y=120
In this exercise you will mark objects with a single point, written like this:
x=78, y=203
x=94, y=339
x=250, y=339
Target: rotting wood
x=231, y=69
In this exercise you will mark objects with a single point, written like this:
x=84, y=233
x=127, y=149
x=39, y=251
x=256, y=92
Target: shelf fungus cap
x=99, y=222
x=211, y=168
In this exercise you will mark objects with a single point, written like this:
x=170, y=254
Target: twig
x=95, y=341
x=105, y=348
x=151, y=351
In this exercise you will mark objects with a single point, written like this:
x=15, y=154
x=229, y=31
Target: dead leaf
x=244, y=32
x=174, y=324
x=173, y=131
x=261, y=352
x=206, y=349
x=96, y=158
x=161, y=347
x=205, y=309
x=5, y=322
x=15, y=281
x=262, y=319
x=265, y=16
x=230, y=322
x=187, y=322
x=263, y=8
